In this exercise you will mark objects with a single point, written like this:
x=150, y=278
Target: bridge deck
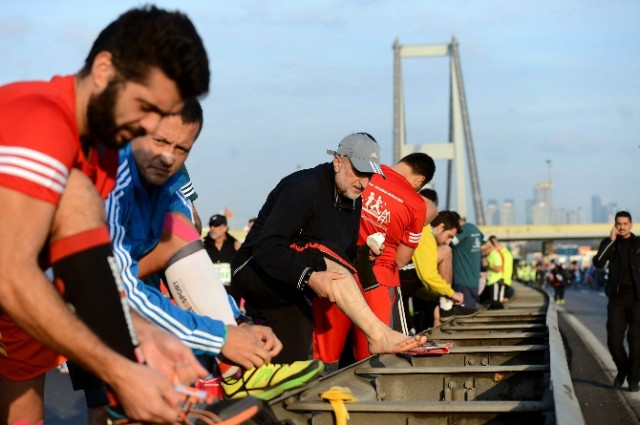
x=540, y=232
x=499, y=370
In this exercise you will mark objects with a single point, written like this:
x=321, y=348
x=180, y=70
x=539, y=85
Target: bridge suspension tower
x=460, y=139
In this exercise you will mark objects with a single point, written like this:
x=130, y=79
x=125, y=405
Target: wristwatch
x=244, y=319
x=304, y=281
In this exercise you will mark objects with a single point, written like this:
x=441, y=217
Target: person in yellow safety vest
x=523, y=272
x=533, y=271
x=507, y=268
x=494, y=291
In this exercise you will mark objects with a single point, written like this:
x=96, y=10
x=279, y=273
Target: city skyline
x=504, y=212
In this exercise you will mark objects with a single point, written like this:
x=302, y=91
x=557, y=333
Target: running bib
x=224, y=270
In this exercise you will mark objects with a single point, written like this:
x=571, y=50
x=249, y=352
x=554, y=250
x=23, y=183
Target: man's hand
x=322, y=283
x=374, y=252
x=614, y=233
x=270, y=341
x=145, y=393
x=458, y=297
x=395, y=342
x=246, y=348
x=167, y=354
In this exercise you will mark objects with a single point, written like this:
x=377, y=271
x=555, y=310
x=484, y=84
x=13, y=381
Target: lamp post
x=549, y=197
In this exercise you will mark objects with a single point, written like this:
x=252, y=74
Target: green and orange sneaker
x=270, y=380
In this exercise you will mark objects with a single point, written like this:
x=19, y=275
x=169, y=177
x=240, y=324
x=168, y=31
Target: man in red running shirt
x=391, y=206
x=57, y=162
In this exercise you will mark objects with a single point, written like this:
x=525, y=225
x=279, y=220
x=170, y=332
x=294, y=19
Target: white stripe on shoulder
x=414, y=237
x=35, y=155
x=188, y=189
x=33, y=177
x=34, y=166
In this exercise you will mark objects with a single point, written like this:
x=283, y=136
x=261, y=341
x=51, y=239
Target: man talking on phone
x=621, y=251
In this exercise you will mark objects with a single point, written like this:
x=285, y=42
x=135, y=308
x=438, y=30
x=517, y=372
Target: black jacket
x=225, y=254
x=609, y=252
x=303, y=208
x=559, y=276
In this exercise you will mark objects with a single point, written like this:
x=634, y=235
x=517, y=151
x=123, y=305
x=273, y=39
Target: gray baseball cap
x=362, y=150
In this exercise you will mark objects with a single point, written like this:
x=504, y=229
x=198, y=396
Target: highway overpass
x=526, y=232
x=542, y=232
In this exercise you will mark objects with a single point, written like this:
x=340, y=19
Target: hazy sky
x=556, y=80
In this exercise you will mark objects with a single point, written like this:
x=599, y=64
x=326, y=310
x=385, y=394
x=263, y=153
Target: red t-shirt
x=40, y=144
x=393, y=207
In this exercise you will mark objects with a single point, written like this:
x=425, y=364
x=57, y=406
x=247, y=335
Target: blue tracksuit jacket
x=135, y=217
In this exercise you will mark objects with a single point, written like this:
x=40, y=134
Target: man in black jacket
x=300, y=251
x=622, y=253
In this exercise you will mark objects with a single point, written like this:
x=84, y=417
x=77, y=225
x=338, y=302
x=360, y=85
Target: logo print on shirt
x=377, y=208
x=476, y=243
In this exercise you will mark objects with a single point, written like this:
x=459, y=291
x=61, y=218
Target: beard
x=101, y=116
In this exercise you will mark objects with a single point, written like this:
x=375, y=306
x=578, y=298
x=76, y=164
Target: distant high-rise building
x=542, y=203
x=599, y=212
x=563, y=216
x=507, y=213
x=492, y=214
x=611, y=209
x=528, y=211
x=540, y=213
x=596, y=203
x=581, y=217
x=560, y=216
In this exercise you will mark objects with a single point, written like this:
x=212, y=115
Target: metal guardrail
x=505, y=367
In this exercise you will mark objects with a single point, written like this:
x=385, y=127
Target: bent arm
x=28, y=297
x=197, y=331
x=403, y=255
x=292, y=208
x=604, y=253
x=425, y=258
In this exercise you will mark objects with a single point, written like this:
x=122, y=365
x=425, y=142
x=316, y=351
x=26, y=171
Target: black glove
x=364, y=266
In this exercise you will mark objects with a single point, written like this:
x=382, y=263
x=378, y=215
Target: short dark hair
x=623, y=214
x=148, y=37
x=421, y=164
x=450, y=219
x=430, y=194
x=493, y=239
x=191, y=113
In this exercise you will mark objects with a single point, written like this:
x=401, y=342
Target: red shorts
x=330, y=329
x=22, y=357
x=332, y=326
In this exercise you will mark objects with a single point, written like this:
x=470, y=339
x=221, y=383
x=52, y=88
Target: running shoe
x=458, y=311
x=270, y=380
x=198, y=409
x=619, y=380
